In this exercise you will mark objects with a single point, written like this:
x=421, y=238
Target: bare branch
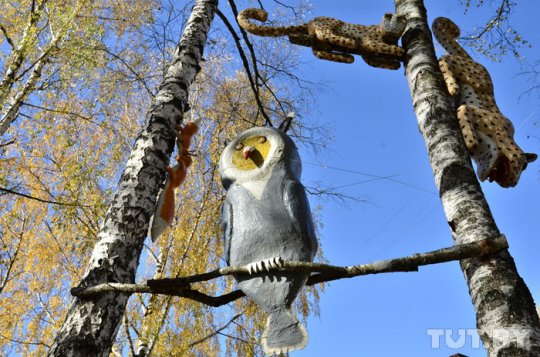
x=8, y=39
x=328, y=193
x=128, y=335
x=245, y=62
x=254, y=60
x=216, y=332
x=7, y=190
x=500, y=16
x=138, y=77
x=292, y=8
x=496, y=37
x=68, y=262
x=45, y=309
x=533, y=78
x=250, y=342
x=7, y=143
x=38, y=343
x=60, y=111
x=181, y=286
x=12, y=257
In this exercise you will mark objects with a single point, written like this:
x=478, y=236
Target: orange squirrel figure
x=164, y=214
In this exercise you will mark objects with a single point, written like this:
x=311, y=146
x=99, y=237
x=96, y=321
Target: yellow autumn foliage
x=71, y=140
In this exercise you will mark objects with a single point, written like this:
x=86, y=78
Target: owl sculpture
x=267, y=220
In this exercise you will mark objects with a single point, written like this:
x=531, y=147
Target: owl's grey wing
x=227, y=224
x=297, y=205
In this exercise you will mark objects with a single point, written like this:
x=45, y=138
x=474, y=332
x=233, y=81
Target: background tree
x=64, y=154
x=51, y=87
x=465, y=206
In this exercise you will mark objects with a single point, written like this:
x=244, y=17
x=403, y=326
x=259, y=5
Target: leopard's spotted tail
x=446, y=32
x=246, y=15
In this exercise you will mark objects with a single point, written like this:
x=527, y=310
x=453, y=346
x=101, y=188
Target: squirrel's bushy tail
x=283, y=333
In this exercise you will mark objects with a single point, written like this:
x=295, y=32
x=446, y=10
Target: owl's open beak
x=248, y=151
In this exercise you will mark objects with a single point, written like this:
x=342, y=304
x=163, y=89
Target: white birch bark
x=10, y=101
x=505, y=312
x=17, y=57
x=91, y=324
x=11, y=109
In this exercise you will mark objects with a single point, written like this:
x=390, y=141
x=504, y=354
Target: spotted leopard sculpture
x=334, y=40
x=488, y=134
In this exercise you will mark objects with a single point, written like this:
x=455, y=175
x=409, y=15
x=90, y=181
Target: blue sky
x=375, y=132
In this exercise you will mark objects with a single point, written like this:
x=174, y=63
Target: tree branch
x=497, y=36
x=501, y=15
x=7, y=143
x=216, y=332
x=181, y=286
x=245, y=62
x=254, y=60
x=138, y=77
x=6, y=36
x=7, y=190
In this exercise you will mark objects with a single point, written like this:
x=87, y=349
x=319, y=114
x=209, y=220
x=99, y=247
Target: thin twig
x=12, y=257
x=6, y=36
x=38, y=343
x=7, y=190
x=216, y=332
x=500, y=16
x=10, y=142
x=128, y=335
x=138, y=77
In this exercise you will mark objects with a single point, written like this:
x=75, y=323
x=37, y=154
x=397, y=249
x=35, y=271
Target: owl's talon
x=273, y=263
x=252, y=269
x=265, y=265
x=277, y=262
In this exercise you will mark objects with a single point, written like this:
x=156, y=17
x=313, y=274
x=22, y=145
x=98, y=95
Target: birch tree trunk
x=16, y=59
x=91, y=324
x=10, y=109
x=505, y=312
x=10, y=102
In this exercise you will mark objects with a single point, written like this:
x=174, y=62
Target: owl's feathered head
x=256, y=153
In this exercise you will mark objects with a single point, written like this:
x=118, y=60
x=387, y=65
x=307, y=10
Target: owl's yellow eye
x=261, y=139
x=239, y=146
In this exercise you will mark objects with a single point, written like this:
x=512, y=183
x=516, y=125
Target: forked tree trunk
x=91, y=324
x=505, y=311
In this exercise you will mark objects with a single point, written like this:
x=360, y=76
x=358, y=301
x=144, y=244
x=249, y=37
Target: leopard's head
x=502, y=163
